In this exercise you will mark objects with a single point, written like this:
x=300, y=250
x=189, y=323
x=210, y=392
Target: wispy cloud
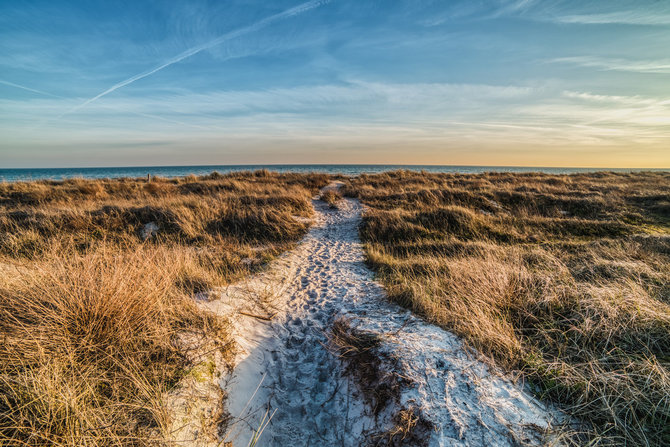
x=366, y=111
x=641, y=12
x=623, y=111
x=300, y=9
x=116, y=108
x=516, y=7
x=644, y=17
x=23, y=87
x=354, y=99
x=616, y=99
x=615, y=64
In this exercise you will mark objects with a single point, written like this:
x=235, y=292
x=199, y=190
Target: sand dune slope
x=401, y=381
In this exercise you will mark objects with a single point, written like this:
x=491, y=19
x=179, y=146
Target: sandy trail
x=304, y=383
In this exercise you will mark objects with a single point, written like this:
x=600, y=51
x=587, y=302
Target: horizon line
x=338, y=164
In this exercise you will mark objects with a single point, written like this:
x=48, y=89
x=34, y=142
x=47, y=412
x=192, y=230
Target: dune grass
x=564, y=279
x=331, y=197
x=96, y=285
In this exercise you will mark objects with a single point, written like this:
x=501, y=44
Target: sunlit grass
x=555, y=276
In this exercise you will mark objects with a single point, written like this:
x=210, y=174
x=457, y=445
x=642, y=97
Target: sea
x=27, y=174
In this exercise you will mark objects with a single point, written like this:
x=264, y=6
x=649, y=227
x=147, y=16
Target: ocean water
x=11, y=175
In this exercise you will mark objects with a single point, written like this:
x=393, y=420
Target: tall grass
x=561, y=278
x=89, y=346
x=331, y=197
x=92, y=310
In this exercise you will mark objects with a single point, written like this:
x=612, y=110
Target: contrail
x=195, y=50
x=23, y=87
x=147, y=115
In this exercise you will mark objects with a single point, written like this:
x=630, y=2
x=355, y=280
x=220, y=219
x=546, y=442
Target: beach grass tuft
x=331, y=197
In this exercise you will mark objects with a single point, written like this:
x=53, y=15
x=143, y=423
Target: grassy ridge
x=95, y=286
x=562, y=277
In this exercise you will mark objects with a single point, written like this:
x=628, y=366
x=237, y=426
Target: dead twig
x=260, y=317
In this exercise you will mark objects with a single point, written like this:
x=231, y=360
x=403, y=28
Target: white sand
x=323, y=279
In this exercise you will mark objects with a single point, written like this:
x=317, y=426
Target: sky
x=569, y=83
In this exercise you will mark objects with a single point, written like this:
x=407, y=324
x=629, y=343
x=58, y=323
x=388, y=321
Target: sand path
x=288, y=369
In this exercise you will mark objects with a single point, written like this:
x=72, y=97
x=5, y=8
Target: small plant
x=409, y=428
x=364, y=361
x=267, y=418
x=331, y=197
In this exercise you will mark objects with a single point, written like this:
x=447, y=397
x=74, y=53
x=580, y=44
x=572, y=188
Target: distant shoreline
x=27, y=174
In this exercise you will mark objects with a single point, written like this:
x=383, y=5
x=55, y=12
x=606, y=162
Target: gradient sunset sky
x=476, y=82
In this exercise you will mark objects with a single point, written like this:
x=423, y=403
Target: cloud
x=623, y=111
x=409, y=104
x=300, y=9
x=105, y=107
x=516, y=7
x=615, y=64
x=23, y=87
x=354, y=99
x=642, y=17
x=616, y=99
x=649, y=13
x=361, y=111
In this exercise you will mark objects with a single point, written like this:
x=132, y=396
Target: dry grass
x=219, y=214
x=88, y=346
x=91, y=313
x=364, y=362
x=563, y=278
x=373, y=371
x=331, y=197
x=410, y=428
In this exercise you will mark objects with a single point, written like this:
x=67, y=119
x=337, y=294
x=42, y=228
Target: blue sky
x=482, y=82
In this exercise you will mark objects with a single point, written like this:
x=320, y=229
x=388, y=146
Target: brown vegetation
x=564, y=278
x=373, y=372
x=561, y=277
x=331, y=197
x=410, y=428
x=364, y=362
x=95, y=286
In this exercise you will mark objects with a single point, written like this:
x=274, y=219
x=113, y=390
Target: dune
x=332, y=361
